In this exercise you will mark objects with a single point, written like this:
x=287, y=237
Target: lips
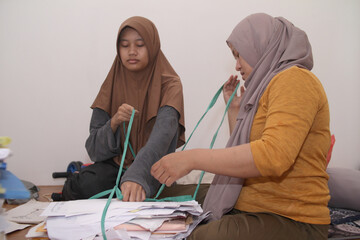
x=132, y=61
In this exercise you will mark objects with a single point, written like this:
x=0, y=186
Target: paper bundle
x=81, y=219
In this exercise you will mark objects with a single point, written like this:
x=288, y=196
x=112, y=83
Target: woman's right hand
x=123, y=114
x=229, y=88
x=132, y=192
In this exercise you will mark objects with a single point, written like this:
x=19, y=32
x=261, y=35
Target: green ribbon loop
x=127, y=144
x=212, y=103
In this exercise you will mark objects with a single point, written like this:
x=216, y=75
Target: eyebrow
x=139, y=39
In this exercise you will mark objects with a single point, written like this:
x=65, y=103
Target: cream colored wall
x=54, y=55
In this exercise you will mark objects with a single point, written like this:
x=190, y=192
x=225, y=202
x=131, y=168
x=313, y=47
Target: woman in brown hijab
x=140, y=78
x=271, y=180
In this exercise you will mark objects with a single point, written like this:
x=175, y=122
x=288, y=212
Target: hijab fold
x=147, y=90
x=269, y=45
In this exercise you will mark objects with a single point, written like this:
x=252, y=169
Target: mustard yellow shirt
x=289, y=140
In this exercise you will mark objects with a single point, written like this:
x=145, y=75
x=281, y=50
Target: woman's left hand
x=229, y=88
x=172, y=167
x=132, y=192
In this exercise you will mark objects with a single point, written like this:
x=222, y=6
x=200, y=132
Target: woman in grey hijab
x=271, y=180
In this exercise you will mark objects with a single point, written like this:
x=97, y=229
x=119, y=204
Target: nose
x=132, y=50
x=237, y=66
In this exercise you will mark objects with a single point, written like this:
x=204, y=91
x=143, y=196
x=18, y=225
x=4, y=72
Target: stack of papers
x=81, y=219
x=20, y=217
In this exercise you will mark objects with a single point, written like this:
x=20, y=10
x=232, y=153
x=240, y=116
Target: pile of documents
x=22, y=216
x=81, y=219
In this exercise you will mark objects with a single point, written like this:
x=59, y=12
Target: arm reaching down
x=162, y=140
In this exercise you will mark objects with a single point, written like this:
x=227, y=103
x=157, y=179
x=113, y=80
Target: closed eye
x=124, y=43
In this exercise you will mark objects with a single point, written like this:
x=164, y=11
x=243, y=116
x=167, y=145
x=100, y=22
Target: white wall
x=54, y=55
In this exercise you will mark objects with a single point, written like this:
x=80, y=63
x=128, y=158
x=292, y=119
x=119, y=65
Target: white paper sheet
x=27, y=213
x=8, y=227
x=32, y=233
x=81, y=219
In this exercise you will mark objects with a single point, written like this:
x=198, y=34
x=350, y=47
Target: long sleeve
x=162, y=140
x=296, y=126
x=102, y=144
x=289, y=140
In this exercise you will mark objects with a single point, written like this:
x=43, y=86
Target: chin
x=132, y=68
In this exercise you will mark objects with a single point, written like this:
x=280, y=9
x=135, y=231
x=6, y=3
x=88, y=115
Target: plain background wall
x=54, y=56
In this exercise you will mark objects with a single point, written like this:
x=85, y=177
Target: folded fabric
x=344, y=186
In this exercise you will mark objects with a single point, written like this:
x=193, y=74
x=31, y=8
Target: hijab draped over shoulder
x=146, y=90
x=269, y=45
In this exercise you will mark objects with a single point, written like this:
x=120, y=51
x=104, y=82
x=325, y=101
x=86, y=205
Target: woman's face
x=133, y=52
x=241, y=65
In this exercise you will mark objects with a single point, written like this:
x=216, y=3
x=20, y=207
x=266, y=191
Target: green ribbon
x=183, y=198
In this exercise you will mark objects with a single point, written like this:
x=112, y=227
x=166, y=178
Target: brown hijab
x=147, y=90
x=269, y=45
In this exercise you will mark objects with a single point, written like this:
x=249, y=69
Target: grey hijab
x=269, y=45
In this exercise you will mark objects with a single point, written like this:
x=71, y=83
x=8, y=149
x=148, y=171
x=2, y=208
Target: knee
x=81, y=185
x=90, y=184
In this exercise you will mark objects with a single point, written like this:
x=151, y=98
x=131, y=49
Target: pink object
x=173, y=225
x=328, y=157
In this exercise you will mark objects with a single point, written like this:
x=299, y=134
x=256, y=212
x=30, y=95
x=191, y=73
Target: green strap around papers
x=168, y=199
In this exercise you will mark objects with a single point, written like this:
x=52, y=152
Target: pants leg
x=258, y=226
x=91, y=180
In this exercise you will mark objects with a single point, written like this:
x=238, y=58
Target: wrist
x=189, y=159
x=195, y=158
x=113, y=125
x=234, y=108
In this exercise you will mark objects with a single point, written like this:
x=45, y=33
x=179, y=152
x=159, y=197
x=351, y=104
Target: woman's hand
x=123, y=114
x=229, y=88
x=132, y=192
x=172, y=167
x=234, y=161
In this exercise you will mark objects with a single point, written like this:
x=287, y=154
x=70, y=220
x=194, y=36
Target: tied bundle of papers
x=81, y=219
